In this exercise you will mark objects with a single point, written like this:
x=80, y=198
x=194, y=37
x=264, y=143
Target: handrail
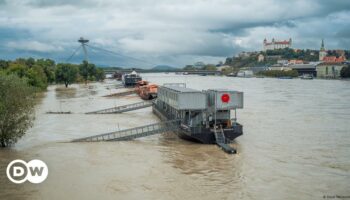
x=121, y=108
x=133, y=132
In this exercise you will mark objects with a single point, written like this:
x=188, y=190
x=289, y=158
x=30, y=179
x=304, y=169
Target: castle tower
x=323, y=52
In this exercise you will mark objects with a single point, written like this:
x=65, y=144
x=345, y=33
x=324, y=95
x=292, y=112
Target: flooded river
x=296, y=145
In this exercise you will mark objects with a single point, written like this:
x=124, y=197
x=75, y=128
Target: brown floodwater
x=296, y=145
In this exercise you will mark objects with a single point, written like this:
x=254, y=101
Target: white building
x=274, y=44
x=261, y=58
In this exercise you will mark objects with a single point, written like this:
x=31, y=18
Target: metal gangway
x=120, y=94
x=132, y=133
x=124, y=108
x=221, y=141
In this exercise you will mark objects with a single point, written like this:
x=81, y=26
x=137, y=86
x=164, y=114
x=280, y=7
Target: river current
x=296, y=145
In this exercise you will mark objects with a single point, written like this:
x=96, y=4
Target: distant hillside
x=164, y=68
x=250, y=59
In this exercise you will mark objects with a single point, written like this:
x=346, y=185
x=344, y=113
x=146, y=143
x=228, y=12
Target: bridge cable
x=118, y=54
x=71, y=56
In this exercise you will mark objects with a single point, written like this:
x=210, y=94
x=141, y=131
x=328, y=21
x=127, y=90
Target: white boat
x=245, y=74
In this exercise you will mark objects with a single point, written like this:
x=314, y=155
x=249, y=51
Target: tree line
x=22, y=78
x=41, y=72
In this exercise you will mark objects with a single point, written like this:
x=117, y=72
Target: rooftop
x=180, y=89
x=303, y=66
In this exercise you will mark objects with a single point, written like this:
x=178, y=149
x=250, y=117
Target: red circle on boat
x=225, y=98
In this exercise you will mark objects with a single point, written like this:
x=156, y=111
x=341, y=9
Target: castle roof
x=278, y=42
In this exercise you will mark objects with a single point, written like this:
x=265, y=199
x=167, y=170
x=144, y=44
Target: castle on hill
x=275, y=44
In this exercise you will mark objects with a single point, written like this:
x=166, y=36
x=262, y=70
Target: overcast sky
x=171, y=32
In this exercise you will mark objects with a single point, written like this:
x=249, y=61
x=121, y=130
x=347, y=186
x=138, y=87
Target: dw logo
x=35, y=171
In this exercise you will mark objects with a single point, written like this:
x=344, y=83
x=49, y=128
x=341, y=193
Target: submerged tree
x=88, y=71
x=16, y=108
x=100, y=74
x=66, y=73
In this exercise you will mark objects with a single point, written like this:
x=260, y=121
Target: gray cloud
x=168, y=31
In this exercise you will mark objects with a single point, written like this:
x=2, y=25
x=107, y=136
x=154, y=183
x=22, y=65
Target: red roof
x=282, y=42
x=333, y=59
x=278, y=42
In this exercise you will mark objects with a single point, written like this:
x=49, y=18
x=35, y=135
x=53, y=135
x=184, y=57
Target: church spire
x=322, y=46
x=323, y=52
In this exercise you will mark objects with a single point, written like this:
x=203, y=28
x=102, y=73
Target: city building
x=323, y=52
x=279, y=67
x=304, y=69
x=244, y=54
x=334, y=59
x=274, y=57
x=295, y=62
x=245, y=73
x=329, y=70
x=282, y=62
x=257, y=69
x=331, y=59
x=274, y=44
x=261, y=58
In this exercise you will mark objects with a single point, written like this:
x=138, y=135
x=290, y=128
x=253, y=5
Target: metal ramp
x=120, y=94
x=132, y=133
x=221, y=141
x=125, y=108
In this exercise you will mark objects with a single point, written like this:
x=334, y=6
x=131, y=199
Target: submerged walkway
x=124, y=108
x=132, y=133
x=120, y=94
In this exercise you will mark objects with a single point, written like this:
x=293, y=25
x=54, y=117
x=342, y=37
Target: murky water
x=296, y=145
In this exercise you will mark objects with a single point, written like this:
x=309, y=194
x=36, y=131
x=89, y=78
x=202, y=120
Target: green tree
x=189, y=68
x=48, y=66
x=279, y=73
x=4, y=64
x=16, y=108
x=66, y=73
x=84, y=71
x=30, y=62
x=37, y=77
x=100, y=74
x=209, y=67
x=345, y=72
x=17, y=68
x=87, y=71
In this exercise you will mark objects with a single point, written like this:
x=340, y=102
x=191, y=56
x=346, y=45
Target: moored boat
x=307, y=77
x=130, y=80
x=202, y=114
x=149, y=91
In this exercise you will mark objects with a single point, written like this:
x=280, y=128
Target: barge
x=130, y=80
x=204, y=116
x=200, y=116
x=146, y=90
